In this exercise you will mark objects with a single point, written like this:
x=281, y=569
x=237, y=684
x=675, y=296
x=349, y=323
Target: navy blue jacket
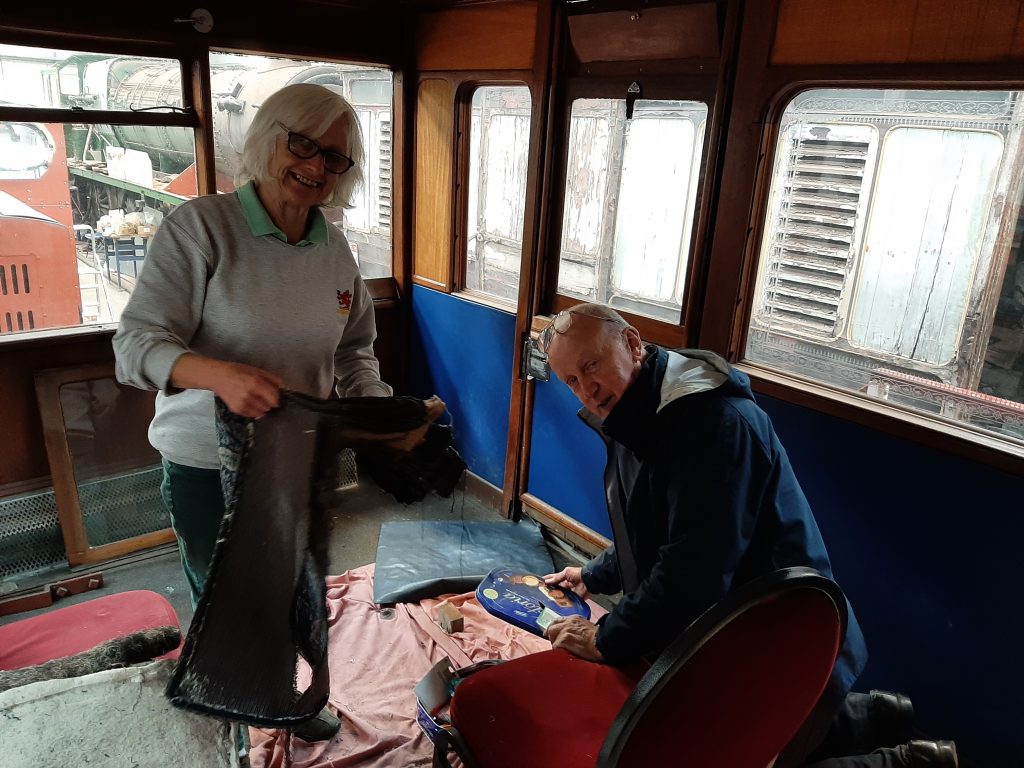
x=702, y=498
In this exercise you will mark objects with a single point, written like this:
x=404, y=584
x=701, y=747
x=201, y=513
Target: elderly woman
x=247, y=293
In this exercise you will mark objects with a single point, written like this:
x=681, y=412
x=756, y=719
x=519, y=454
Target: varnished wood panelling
x=432, y=225
x=688, y=31
x=898, y=31
x=315, y=29
x=500, y=36
x=23, y=462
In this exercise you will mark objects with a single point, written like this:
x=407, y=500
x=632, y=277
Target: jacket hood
x=665, y=377
x=689, y=371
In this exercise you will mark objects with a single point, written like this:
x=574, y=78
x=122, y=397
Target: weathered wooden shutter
x=814, y=230
x=384, y=174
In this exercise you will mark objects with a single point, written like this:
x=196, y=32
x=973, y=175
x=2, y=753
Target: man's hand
x=576, y=635
x=569, y=578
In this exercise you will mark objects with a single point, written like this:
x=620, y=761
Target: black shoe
x=932, y=754
x=320, y=728
x=892, y=718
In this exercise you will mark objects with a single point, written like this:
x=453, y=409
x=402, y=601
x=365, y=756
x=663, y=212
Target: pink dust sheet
x=376, y=659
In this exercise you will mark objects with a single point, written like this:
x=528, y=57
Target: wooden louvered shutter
x=815, y=227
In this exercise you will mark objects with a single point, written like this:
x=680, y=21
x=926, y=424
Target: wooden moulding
x=675, y=32
x=62, y=471
x=432, y=228
x=563, y=526
x=487, y=37
x=897, y=32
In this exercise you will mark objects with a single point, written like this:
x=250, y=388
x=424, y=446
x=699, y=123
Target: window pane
x=630, y=197
x=46, y=77
x=918, y=259
x=78, y=204
x=496, y=198
x=240, y=83
x=892, y=263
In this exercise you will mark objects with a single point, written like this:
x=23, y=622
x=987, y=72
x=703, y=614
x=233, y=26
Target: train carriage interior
x=722, y=173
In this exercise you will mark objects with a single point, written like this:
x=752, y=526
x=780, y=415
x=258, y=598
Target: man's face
x=597, y=361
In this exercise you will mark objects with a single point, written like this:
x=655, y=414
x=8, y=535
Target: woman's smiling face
x=304, y=182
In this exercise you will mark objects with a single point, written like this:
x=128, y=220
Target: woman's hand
x=245, y=389
x=569, y=578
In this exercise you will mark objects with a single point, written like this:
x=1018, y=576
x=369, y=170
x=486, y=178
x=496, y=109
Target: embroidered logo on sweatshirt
x=344, y=302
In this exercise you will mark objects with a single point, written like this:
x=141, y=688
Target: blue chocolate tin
x=524, y=600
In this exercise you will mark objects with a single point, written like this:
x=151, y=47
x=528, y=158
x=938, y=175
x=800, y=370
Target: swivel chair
x=730, y=691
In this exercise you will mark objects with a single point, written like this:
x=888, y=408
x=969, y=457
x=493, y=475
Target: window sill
x=479, y=297
x=932, y=432
x=49, y=336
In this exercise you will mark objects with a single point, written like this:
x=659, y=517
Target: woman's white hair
x=311, y=110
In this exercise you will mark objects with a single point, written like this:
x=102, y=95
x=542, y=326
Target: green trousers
x=196, y=503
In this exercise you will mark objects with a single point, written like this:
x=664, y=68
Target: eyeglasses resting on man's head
x=305, y=147
x=560, y=324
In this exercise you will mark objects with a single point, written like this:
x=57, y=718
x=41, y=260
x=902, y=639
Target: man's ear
x=634, y=343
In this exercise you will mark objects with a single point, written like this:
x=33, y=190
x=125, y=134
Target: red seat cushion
x=79, y=627
x=549, y=704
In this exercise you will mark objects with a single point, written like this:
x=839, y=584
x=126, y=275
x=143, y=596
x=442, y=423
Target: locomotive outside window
x=79, y=200
x=630, y=198
x=892, y=262
x=240, y=83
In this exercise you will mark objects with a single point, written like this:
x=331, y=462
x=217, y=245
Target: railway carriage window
x=630, y=197
x=79, y=200
x=496, y=196
x=892, y=261
x=240, y=83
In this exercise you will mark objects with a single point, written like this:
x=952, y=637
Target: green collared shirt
x=261, y=224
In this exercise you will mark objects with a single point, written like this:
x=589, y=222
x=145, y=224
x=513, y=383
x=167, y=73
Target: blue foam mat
x=422, y=559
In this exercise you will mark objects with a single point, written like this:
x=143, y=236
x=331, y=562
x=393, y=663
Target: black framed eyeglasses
x=305, y=147
x=560, y=324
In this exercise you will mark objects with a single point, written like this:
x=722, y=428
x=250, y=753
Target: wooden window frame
x=759, y=97
x=62, y=470
x=197, y=103
x=464, y=105
x=688, y=81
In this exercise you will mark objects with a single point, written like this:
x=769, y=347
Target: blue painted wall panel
x=567, y=458
x=926, y=546
x=462, y=351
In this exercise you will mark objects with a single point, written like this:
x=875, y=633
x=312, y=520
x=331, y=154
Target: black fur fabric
x=112, y=654
x=264, y=602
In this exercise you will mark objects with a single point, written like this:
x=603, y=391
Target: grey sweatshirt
x=210, y=286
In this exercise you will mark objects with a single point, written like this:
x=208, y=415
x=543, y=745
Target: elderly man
x=702, y=498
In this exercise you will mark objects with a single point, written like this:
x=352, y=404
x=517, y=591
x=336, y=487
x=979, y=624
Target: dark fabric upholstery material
x=134, y=648
x=263, y=606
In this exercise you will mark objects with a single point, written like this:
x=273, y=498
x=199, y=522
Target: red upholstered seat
x=79, y=627
x=731, y=691
x=550, y=703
